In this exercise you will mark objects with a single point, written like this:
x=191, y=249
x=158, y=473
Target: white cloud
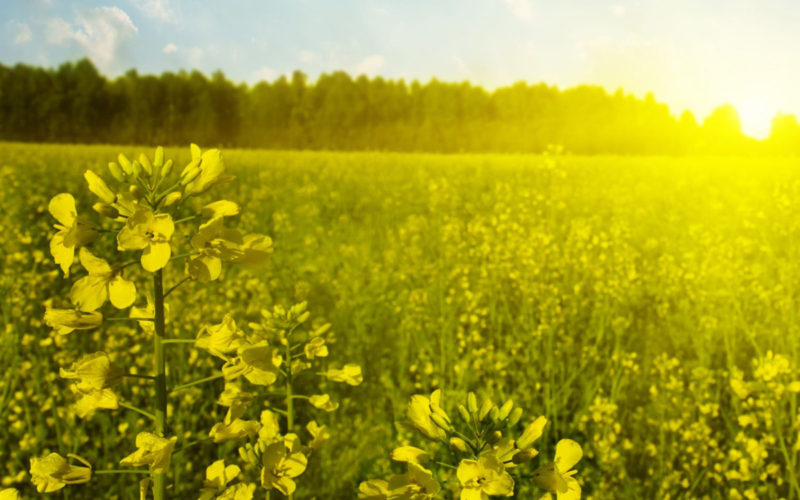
x=617, y=10
x=169, y=48
x=370, y=65
x=157, y=9
x=58, y=31
x=24, y=34
x=521, y=9
x=307, y=57
x=264, y=73
x=104, y=33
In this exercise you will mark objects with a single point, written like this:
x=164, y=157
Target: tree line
x=75, y=103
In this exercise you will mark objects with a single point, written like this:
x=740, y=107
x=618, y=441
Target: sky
x=692, y=54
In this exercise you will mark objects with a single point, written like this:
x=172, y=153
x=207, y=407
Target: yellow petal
x=121, y=292
x=163, y=225
x=531, y=433
x=221, y=208
x=62, y=207
x=63, y=255
x=155, y=256
x=89, y=293
x=568, y=452
x=94, y=265
x=99, y=187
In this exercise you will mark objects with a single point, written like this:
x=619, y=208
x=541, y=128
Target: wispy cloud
x=370, y=65
x=23, y=33
x=169, y=48
x=105, y=34
x=157, y=9
x=521, y=9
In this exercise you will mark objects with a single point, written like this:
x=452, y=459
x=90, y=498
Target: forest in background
x=74, y=103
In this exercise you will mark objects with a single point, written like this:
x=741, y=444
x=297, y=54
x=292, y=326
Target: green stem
x=120, y=471
x=137, y=410
x=159, y=368
x=176, y=285
x=289, y=398
x=196, y=382
x=136, y=375
x=185, y=219
x=178, y=341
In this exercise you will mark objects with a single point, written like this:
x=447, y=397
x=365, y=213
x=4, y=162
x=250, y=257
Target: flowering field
x=647, y=308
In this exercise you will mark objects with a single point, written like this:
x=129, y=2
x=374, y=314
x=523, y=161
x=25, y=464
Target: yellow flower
x=150, y=233
x=91, y=292
x=319, y=435
x=410, y=454
x=221, y=339
x=73, y=231
x=258, y=363
x=9, y=494
x=556, y=477
x=316, y=348
x=350, y=374
x=53, y=472
x=211, y=167
x=270, y=427
x=94, y=372
x=531, y=433
x=234, y=427
x=90, y=402
x=221, y=208
x=215, y=243
x=154, y=451
x=323, y=402
x=420, y=410
x=417, y=484
x=374, y=489
x=99, y=187
x=64, y=321
x=280, y=465
x=256, y=250
x=216, y=484
x=484, y=477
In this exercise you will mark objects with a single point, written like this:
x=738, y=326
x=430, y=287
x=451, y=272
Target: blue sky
x=692, y=54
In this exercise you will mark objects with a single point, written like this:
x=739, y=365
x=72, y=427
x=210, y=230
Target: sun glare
x=756, y=116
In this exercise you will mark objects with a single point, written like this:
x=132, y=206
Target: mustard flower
x=417, y=484
x=90, y=402
x=73, y=231
x=484, y=477
x=204, y=171
x=9, y=494
x=216, y=484
x=96, y=375
x=258, y=363
x=270, y=427
x=221, y=208
x=102, y=283
x=53, y=472
x=64, y=321
x=280, y=466
x=374, y=489
x=557, y=476
x=319, y=435
x=410, y=454
x=420, y=410
x=221, y=339
x=350, y=374
x=256, y=250
x=99, y=187
x=233, y=426
x=215, y=243
x=150, y=233
x=323, y=402
x=316, y=348
x=153, y=451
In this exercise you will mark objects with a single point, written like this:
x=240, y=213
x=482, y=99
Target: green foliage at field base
x=647, y=306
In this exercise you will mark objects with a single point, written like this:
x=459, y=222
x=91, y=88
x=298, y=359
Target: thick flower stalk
x=149, y=210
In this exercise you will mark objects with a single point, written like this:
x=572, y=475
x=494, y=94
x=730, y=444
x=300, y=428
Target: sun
x=755, y=114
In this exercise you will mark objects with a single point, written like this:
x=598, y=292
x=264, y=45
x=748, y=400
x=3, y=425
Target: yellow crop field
x=397, y=326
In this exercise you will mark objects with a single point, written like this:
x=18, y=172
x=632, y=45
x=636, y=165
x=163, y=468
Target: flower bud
x=190, y=174
x=165, y=171
x=116, y=172
x=516, y=414
x=172, y=198
x=99, y=187
x=137, y=168
x=125, y=163
x=505, y=410
x=494, y=413
x=158, y=159
x=106, y=210
x=136, y=191
x=472, y=403
x=464, y=414
x=524, y=456
x=494, y=437
x=458, y=444
x=146, y=165
x=486, y=407
x=440, y=421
